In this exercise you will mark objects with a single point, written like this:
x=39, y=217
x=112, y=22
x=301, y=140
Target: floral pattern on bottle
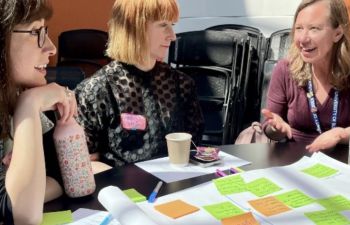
x=75, y=165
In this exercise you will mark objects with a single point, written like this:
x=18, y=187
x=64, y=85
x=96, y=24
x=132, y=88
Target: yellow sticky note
x=269, y=206
x=176, y=209
x=56, y=218
x=243, y=219
x=134, y=195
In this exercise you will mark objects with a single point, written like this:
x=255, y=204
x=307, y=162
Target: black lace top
x=164, y=96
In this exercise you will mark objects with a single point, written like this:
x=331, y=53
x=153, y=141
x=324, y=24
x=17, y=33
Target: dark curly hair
x=12, y=13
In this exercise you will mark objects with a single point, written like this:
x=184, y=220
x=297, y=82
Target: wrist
x=273, y=133
x=26, y=105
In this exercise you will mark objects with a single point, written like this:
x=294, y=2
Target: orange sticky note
x=176, y=209
x=242, y=219
x=269, y=206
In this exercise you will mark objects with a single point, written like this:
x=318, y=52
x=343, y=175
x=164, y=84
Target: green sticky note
x=295, y=199
x=326, y=217
x=223, y=210
x=262, y=186
x=134, y=195
x=56, y=218
x=230, y=184
x=320, y=171
x=335, y=203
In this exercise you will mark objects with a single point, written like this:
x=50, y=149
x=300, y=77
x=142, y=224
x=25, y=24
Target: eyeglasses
x=41, y=33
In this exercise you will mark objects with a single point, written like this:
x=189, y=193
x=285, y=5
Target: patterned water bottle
x=74, y=159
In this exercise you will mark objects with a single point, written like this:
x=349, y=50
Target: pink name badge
x=133, y=122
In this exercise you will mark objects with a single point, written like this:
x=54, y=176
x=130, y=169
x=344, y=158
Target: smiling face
x=27, y=61
x=160, y=35
x=314, y=35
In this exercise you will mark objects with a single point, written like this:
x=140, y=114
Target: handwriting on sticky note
x=230, y=185
x=295, y=199
x=243, y=219
x=223, y=210
x=335, y=203
x=176, y=209
x=60, y=217
x=320, y=171
x=326, y=217
x=134, y=195
x=262, y=186
x=269, y=206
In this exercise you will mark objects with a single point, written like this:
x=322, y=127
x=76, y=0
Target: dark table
x=130, y=176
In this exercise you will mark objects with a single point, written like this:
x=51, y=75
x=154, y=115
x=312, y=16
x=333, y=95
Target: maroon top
x=288, y=100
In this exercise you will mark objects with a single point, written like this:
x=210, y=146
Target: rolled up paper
x=122, y=208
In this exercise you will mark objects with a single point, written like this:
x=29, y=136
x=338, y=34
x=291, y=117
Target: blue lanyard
x=313, y=108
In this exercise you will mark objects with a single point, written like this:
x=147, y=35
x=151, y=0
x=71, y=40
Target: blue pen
x=107, y=219
x=220, y=173
x=153, y=195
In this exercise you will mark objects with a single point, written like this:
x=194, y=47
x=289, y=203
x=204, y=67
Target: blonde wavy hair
x=128, y=27
x=301, y=71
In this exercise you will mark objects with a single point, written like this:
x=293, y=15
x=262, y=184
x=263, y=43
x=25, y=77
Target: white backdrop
x=266, y=15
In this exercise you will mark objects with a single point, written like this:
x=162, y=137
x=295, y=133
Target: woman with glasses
x=25, y=50
x=129, y=106
x=309, y=93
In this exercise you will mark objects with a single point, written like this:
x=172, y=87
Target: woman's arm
x=25, y=180
x=329, y=139
x=275, y=124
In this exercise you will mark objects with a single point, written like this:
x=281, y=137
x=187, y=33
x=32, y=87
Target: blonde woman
x=129, y=106
x=308, y=97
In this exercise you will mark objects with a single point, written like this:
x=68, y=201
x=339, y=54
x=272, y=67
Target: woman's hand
x=50, y=97
x=276, y=123
x=328, y=139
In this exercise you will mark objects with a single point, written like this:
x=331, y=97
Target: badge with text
x=133, y=122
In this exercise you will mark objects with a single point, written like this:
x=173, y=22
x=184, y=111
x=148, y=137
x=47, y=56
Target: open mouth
x=308, y=50
x=41, y=68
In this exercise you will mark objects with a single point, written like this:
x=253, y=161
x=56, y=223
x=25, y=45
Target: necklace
x=313, y=107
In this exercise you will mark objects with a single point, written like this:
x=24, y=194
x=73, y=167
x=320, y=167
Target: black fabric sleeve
x=5, y=203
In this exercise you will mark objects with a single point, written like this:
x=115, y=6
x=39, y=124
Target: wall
x=347, y=2
x=78, y=14
x=266, y=15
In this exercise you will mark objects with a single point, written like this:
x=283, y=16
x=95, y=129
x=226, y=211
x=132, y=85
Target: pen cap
x=74, y=159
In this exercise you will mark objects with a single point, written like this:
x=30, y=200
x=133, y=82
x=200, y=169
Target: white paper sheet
x=83, y=212
x=168, y=173
x=288, y=178
x=93, y=219
x=122, y=208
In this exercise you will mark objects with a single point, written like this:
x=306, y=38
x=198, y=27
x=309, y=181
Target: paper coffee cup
x=179, y=148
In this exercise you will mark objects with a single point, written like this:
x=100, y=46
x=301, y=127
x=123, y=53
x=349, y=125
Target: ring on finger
x=273, y=128
x=68, y=92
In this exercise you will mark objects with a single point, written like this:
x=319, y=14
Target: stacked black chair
x=65, y=76
x=276, y=48
x=207, y=56
x=84, y=48
x=248, y=74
